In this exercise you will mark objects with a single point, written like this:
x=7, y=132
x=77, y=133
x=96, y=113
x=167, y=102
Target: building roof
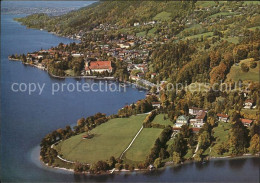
x=248, y=121
x=183, y=117
x=99, y=65
x=176, y=128
x=201, y=114
x=195, y=108
x=195, y=129
x=156, y=103
x=222, y=115
x=249, y=101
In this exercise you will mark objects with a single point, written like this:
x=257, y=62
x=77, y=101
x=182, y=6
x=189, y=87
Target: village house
x=199, y=120
x=182, y=120
x=156, y=104
x=246, y=122
x=98, y=66
x=222, y=117
x=194, y=111
x=248, y=104
x=136, y=24
x=77, y=55
x=134, y=78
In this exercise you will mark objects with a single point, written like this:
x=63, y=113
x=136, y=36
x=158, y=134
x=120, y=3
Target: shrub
x=244, y=67
x=253, y=64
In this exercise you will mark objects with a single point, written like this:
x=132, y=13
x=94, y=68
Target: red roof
x=195, y=129
x=99, y=65
x=249, y=121
x=247, y=101
x=176, y=128
x=222, y=115
x=201, y=115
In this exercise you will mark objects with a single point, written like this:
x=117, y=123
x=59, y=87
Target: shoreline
x=167, y=165
x=108, y=78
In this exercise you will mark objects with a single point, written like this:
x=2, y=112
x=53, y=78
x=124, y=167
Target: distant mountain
x=122, y=13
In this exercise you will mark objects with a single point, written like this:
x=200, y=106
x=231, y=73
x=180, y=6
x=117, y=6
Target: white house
x=222, y=117
x=199, y=121
x=77, y=55
x=136, y=24
x=156, y=104
x=194, y=110
x=247, y=122
x=182, y=120
x=248, y=104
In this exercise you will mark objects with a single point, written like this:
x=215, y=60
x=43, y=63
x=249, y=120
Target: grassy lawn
x=207, y=34
x=250, y=113
x=141, y=147
x=163, y=16
x=70, y=72
x=204, y=4
x=236, y=73
x=254, y=28
x=141, y=34
x=110, y=139
x=189, y=154
x=232, y=39
x=151, y=32
x=221, y=134
x=252, y=2
x=159, y=120
x=221, y=14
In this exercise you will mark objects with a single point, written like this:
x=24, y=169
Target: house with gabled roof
x=223, y=117
x=182, y=120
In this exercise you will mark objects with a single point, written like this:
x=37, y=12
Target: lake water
x=26, y=119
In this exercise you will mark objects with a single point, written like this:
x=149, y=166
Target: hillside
x=120, y=13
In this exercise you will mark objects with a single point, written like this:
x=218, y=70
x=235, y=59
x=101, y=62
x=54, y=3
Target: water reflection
x=237, y=165
x=219, y=164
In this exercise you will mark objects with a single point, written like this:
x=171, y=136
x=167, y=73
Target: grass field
x=250, y=113
x=151, y=32
x=221, y=134
x=232, y=39
x=204, y=35
x=221, y=14
x=163, y=16
x=141, y=34
x=236, y=73
x=254, y=28
x=159, y=120
x=110, y=139
x=204, y=4
x=141, y=147
x=70, y=72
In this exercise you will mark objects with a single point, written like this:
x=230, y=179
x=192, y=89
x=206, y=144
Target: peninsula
x=199, y=61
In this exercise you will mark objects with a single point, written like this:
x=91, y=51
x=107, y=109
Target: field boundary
x=131, y=142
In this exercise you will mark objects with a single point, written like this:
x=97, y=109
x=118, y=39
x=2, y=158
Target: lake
x=26, y=119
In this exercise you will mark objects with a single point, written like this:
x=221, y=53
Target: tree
x=179, y=145
x=244, y=67
x=198, y=155
x=254, y=144
x=253, y=64
x=112, y=162
x=176, y=158
x=163, y=153
x=186, y=131
x=238, y=138
x=204, y=140
x=255, y=129
x=158, y=163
